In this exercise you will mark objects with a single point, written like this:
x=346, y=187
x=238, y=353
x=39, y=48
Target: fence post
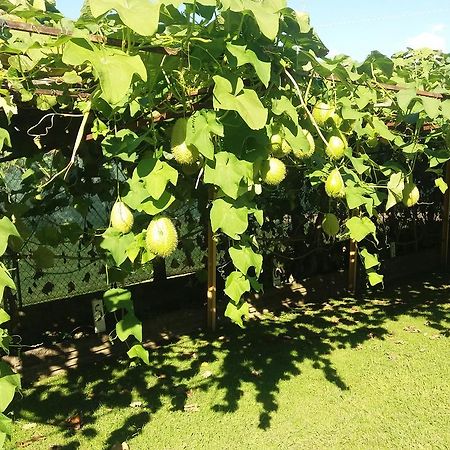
x=445, y=218
x=212, y=268
x=353, y=263
x=352, y=266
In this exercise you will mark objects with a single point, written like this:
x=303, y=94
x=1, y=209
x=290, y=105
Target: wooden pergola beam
x=57, y=32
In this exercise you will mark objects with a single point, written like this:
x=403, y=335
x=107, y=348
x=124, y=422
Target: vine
x=220, y=96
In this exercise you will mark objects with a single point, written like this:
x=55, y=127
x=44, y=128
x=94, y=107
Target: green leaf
x=236, y=313
x=137, y=351
x=395, y=186
x=246, y=56
x=354, y=196
x=43, y=257
x=245, y=101
x=233, y=221
x=369, y=259
x=284, y=106
x=71, y=77
x=117, y=244
x=9, y=382
x=45, y=102
x=359, y=228
x=359, y=164
x=116, y=299
x=432, y=106
x=413, y=148
x=227, y=172
x=115, y=69
x=5, y=429
x=236, y=285
x=129, y=326
x=139, y=15
x=405, y=97
x=201, y=126
x=7, y=229
x=265, y=13
x=155, y=175
x=5, y=281
x=4, y=138
x=437, y=156
x=4, y=316
x=445, y=109
x=244, y=257
x=122, y=145
x=441, y=184
x=303, y=21
x=138, y=198
x=382, y=129
x=374, y=277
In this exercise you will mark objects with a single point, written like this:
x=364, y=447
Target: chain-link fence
x=47, y=267
x=292, y=242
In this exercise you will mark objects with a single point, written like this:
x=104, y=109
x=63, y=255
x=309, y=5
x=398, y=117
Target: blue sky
x=356, y=27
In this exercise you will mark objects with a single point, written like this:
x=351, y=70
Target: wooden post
x=353, y=262
x=446, y=218
x=352, y=266
x=212, y=268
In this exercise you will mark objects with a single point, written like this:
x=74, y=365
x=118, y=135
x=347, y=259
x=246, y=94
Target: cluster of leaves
x=238, y=73
x=9, y=381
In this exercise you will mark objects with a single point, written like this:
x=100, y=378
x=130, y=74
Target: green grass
x=338, y=374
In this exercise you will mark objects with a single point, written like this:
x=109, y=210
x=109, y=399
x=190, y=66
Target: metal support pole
x=212, y=267
x=446, y=218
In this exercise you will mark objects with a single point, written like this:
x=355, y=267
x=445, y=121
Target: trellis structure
x=156, y=117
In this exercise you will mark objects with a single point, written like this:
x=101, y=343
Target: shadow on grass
x=288, y=329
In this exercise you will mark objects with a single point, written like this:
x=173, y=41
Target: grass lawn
x=338, y=374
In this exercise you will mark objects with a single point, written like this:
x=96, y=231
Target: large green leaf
x=284, y=105
x=405, y=97
x=115, y=69
x=122, y=145
x=369, y=259
x=117, y=244
x=244, y=257
x=441, y=184
x=247, y=56
x=142, y=16
x=245, y=101
x=4, y=138
x=5, y=281
x=138, y=198
x=7, y=229
x=5, y=429
x=233, y=221
x=155, y=175
x=9, y=382
x=227, y=172
x=116, y=299
x=236, y=285
x=265, y=13
x=395, y=186
x=374, y=277
x=237, y=312
x=202, y=126
x=137, y=351
x=432, y=107
x=359, y=228
x=129, y=326
x=43, y=257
